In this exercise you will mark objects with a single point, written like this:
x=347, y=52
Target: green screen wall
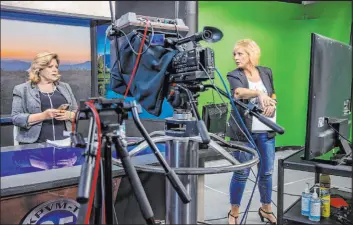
x=282, y=30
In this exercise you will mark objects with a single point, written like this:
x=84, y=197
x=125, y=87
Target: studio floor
x=217, y=191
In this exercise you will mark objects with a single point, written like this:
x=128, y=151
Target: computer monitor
x=329, y=100
x=215, y=118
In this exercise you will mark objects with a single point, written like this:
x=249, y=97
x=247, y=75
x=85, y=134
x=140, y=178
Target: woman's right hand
x=50, y=113
x=266, y=101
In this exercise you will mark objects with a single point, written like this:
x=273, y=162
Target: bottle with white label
x=306, y=196
x=315, y=207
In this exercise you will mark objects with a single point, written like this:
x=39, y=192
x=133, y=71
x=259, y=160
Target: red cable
x=98, y=157
x=137, y=60
x=91, y=106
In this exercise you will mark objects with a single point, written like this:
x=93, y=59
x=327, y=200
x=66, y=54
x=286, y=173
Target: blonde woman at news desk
x=44, y=107
x=252, y=83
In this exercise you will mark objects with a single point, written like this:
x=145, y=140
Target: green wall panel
x=282, y=31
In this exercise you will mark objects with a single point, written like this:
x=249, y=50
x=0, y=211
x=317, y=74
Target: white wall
x=93, y=8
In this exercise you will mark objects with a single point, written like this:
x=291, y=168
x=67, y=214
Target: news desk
x=39, y=184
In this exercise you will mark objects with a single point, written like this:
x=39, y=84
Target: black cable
x=246, y=215
x=117, y=50
x=139, y=35
x=264, y=186
x=294, y=195
x=248, y=138
x=261, y=186
x=265, y=193
x=221, y=218
x=103, y=190
x=277, y=191
x=339, y=133
x=256, y=183
x=115, y=216
x=347, y=188
x=117, y=61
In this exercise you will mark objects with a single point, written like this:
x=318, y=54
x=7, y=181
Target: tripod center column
x=181, y=152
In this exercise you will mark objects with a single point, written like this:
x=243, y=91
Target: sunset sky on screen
x=22, y=40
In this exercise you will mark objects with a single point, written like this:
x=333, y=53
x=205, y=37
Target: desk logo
x=59, y=211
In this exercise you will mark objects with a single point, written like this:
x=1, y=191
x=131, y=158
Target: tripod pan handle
x=85, y=183
x=178, y=187
x=269, y=123
x=205, y=137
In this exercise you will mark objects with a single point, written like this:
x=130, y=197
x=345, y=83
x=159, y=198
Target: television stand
x=333, y=157
x=292, y=214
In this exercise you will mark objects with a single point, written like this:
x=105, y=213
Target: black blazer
x=238, y=79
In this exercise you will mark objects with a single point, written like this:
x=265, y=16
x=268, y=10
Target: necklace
x=48, y=93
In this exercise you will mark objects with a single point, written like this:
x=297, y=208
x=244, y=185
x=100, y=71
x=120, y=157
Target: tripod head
x=183, y=98
x=108, y=107
x=112, y=113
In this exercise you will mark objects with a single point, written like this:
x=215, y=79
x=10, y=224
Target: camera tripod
x=183, y=135
x=112, y=114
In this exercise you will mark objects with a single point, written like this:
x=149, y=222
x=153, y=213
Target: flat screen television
x=329, y=101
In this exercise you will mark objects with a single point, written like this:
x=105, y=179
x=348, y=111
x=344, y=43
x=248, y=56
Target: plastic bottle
x=325, y=185
x=315, y=207
x=306, y=196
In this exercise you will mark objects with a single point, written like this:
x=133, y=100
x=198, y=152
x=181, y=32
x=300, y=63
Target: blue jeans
x=266, y=148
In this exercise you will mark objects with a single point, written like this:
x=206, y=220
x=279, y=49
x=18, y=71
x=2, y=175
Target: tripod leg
x=86, y=176
x=108, y=181
x=98, y=201
x=135, y=181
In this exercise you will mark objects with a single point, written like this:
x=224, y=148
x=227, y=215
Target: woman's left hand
x=269, y=111
x=65, y=115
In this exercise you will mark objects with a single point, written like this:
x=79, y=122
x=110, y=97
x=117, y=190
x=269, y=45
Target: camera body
x=163, y=65
x=188, y=66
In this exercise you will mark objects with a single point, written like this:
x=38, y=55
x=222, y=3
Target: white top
x=258, y=126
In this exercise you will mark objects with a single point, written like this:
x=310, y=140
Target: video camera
x=164, y=61
x=196, y=64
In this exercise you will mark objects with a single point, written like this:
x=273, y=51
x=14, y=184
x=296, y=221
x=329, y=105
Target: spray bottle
x=315, y=207
x=325, y=185
x=306, y=195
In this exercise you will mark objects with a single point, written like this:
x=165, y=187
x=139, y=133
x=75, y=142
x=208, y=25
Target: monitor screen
x=330, y=87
